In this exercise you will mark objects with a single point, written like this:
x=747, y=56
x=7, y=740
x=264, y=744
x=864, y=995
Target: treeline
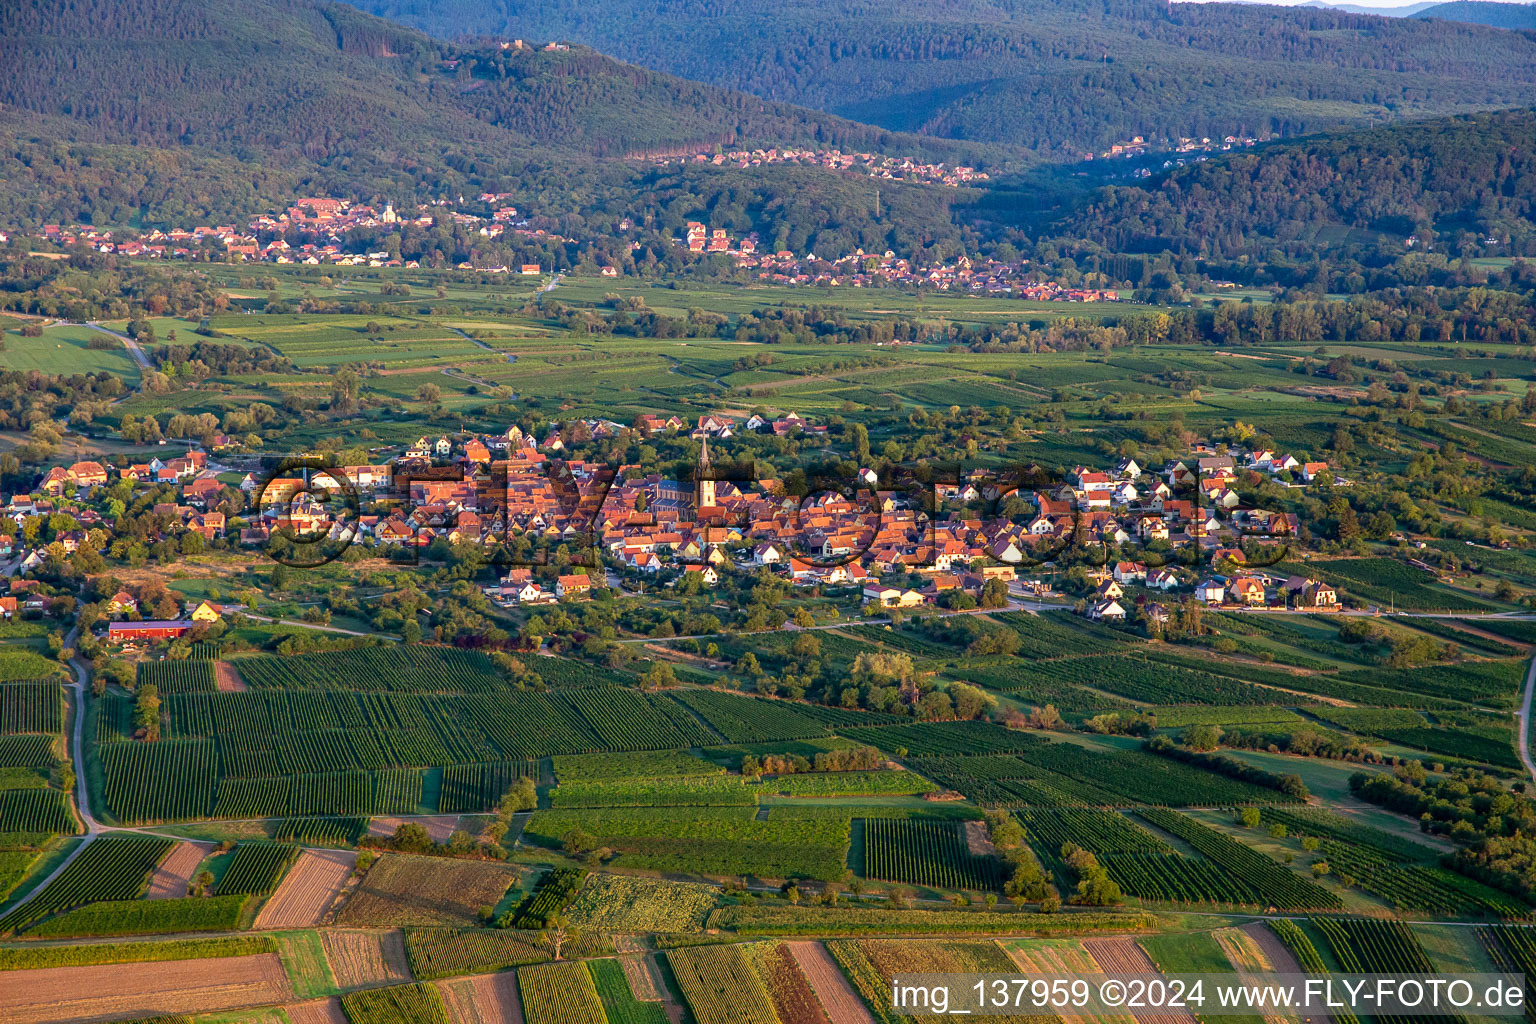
x=1447, y=183
x=1495, y=829
x=1061, y=78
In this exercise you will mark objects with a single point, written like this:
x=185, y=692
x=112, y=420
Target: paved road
x=129, y=343
x=1525, y=721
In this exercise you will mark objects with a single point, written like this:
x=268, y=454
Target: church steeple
x=706, y=487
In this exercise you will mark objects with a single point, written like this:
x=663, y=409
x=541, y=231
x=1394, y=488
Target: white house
x=1211, y=591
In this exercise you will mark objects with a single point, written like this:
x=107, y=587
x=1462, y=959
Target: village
x=314, y=232
x=991, y=538
x=859, y=269
x=875, y=165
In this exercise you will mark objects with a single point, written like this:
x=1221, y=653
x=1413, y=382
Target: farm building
x=156, y=629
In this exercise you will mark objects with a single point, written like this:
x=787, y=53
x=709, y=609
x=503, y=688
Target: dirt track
x=308, y=890
x=58, y=995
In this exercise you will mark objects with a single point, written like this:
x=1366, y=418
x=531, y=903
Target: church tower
x=706, y=487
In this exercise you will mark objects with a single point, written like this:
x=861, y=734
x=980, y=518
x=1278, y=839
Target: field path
x=308, y=890
x=57, y=995
x=170, y=879
x=128, y=343
x=837, y=997
x=1525, y=721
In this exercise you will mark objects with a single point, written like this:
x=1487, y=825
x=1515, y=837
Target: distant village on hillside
x=314, y=231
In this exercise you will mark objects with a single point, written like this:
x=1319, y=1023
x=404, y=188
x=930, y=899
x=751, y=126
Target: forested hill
x=1480, y=12
x=1062, y=77
x=1444, y=181
x=295, y=79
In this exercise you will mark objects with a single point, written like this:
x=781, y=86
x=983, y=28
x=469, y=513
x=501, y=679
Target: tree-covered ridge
x=1445, y=183
x=1063, y=77
x=294, y=79
x=1480, y=12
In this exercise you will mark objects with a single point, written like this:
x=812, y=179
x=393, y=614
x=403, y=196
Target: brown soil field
x=978, y=841
x=425, y=890
x=1124, y=956
x=56, y=995
x=837, y=997
x=170, y=879
x=308, y=890
x=1065, y=957
x=316, y=1011
x=439, y=826
x=484, y=999
x=366, y=958
x=227, y=678
x=793, y=999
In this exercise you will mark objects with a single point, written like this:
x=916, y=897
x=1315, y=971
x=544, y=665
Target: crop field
x=418, y=1003
x=119, y=991
x=399, y=889
x=623, y=903
x=711, y=840
x=360, y=958
x=318, y=831
x=35, y=751
x=1362, y=946
x=560, y=993
x=620, y=1003
x=35, y=811
x=186, y=676
x=305, y=895
x=603, y=768
x=271, y=752
x=1142, y=864
x=31, y=706
x=107, y=868
x=931, y=853
x=256, y=868
x=555, y=892
x=1404, y=873
x=720, y=986
x=935, y=739
x=741, y=719
x=870, y=964
x=446, y=952
x=794, y=1000
x=145, y=917
x=480, y=787
x=876, y=783
x=1266, y=881
x=708, y=790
